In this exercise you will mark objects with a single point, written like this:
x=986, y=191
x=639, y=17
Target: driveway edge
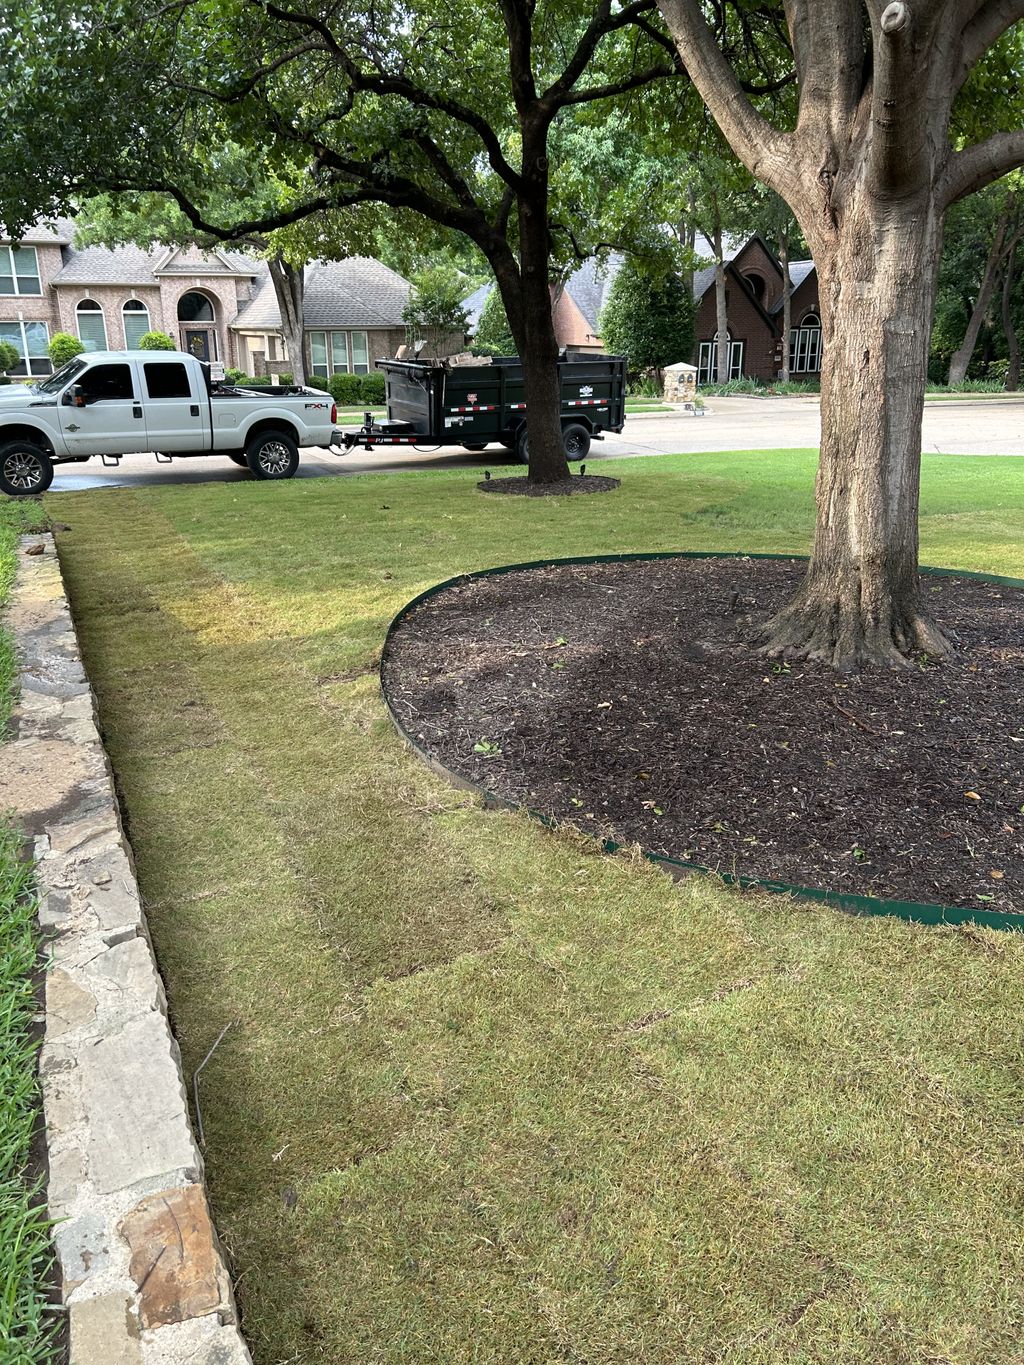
x=142, y=1274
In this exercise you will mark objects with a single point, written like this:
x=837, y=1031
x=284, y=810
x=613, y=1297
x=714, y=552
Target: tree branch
x=986, y=25
x=604, y=92
x=978, y=166
x=764, y=150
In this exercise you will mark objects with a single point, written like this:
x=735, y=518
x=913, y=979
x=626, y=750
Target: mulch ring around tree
x=623, y=698
x=576, y=483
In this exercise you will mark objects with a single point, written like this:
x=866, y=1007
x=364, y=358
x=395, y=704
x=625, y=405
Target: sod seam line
x=914, y=911
x=141, y=1268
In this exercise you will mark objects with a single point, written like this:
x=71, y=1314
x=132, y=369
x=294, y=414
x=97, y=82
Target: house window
x=31, y=340
x=92, y=330
x=19, y=270
x=339, y=353
x=707, y=363
x=136, y=323
x=805, y=346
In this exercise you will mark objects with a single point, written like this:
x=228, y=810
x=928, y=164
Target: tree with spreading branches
x=893, y=103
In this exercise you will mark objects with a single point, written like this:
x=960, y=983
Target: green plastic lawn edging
x=917, y=912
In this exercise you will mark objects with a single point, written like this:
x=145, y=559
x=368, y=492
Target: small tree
x=434, y=309
x=493, y=334
x=9, y=356
x=63, y=347
x=156, y=341
x=648, y=319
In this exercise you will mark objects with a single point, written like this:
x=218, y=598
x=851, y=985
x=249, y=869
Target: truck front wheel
x=25, y=469
x=272, y=455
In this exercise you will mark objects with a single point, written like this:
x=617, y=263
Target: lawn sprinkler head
x=487, y=473
x=583, y=470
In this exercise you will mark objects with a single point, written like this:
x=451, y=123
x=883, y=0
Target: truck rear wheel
x=272, y=455
x=25, y=469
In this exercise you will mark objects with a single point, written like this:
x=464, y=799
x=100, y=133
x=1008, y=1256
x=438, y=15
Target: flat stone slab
x=142, y=1273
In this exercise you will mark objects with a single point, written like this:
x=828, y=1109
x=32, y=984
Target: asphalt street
x=981, y=426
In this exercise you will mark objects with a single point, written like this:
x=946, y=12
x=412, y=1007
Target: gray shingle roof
x=588, y=286
x=357, y=292
x=52, y=232
x=474, y=307
x=798, y=272
x=108, y=265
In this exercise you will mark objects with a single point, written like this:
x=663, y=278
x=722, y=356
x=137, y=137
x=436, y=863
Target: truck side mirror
x=75, y=397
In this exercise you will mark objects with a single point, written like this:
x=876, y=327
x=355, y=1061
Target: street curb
x=142, y=1275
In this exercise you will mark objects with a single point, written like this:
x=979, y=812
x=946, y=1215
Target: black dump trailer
x=437, y=404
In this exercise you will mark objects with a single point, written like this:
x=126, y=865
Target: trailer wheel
x=272, y=455
x=523, y=445
x=238, y=456
x=474, y=446
x=25, y=469
x=576, y=439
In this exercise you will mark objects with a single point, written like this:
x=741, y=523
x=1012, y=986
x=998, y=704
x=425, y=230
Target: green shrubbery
x=156, y=341
x=62, y=348
x=349, y=390
x=9, y=356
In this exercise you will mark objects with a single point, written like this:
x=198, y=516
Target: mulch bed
x=578, y=483
x=623, y=698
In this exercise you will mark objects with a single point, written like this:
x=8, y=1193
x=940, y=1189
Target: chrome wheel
x=274, y=459
x=25, y=469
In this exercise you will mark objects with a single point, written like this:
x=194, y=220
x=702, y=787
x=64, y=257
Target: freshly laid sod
x=490, y=1096
x=26, y=1332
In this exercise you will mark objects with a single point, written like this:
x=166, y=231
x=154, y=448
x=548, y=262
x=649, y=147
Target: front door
x=112, y=421
x=198, y=343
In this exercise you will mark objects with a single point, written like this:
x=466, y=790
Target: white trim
x=95, y=311
x=707, y=361
x=22, y=293
x=26, y=359
x=140, y=312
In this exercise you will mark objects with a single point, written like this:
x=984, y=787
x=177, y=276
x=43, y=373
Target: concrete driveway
x=978, y=426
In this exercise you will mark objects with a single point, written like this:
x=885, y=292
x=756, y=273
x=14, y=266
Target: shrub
x=156, y=341
x=648, y=318
x=63, y=347
x=9, y=356
x=372, y=389
x=233, y=376
x=345, y=389
x=493, y=334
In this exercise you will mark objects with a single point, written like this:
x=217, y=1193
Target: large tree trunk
x=962, y=356
x=288, y=281
x=526, y=293
x=1012, y=339
x=787, y=306
x=721, y=310
x=860, y=601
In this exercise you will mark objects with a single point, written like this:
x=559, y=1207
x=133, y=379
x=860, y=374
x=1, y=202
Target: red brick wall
x=746, y=324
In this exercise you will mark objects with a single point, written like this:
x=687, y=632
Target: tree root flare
x=828, y=632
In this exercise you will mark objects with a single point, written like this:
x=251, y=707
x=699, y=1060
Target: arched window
x=136, y=323
x=92, y=330
x=195, y=307
x=757, y=285
x=805, y=346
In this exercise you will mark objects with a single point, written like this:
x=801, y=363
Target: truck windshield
x=63, y=376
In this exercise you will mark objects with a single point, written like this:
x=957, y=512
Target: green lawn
x=490, y=1096
x=25, y=1254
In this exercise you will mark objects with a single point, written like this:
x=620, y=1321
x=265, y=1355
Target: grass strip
x=26, y=1331
x=491, y=1097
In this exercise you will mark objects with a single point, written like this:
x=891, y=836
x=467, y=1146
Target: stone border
x=141, y=1270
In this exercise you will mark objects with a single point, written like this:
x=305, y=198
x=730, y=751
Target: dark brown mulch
x=578, y=483
x=623, y=698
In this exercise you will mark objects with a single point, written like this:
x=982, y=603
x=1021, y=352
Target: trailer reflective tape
x=517, y=407
x=586, y=402
x=480, y=407
x=391, y=440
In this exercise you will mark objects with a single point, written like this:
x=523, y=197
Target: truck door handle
x=137, y=410
x=194, y=410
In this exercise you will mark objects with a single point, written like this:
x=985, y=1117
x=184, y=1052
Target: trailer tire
x=272, y=455
x=575, y=442
x=25, y=469
x=576, y=439
x=475, y=446
x=238, y=457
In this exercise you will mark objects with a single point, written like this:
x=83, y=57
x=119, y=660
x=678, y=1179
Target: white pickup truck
x=114, y=403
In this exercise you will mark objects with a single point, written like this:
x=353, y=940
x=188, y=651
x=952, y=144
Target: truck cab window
x=107, y=381
x=167, y=379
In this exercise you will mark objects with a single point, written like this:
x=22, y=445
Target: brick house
x=753, y=293
x=576, y=306
x=218, y=305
